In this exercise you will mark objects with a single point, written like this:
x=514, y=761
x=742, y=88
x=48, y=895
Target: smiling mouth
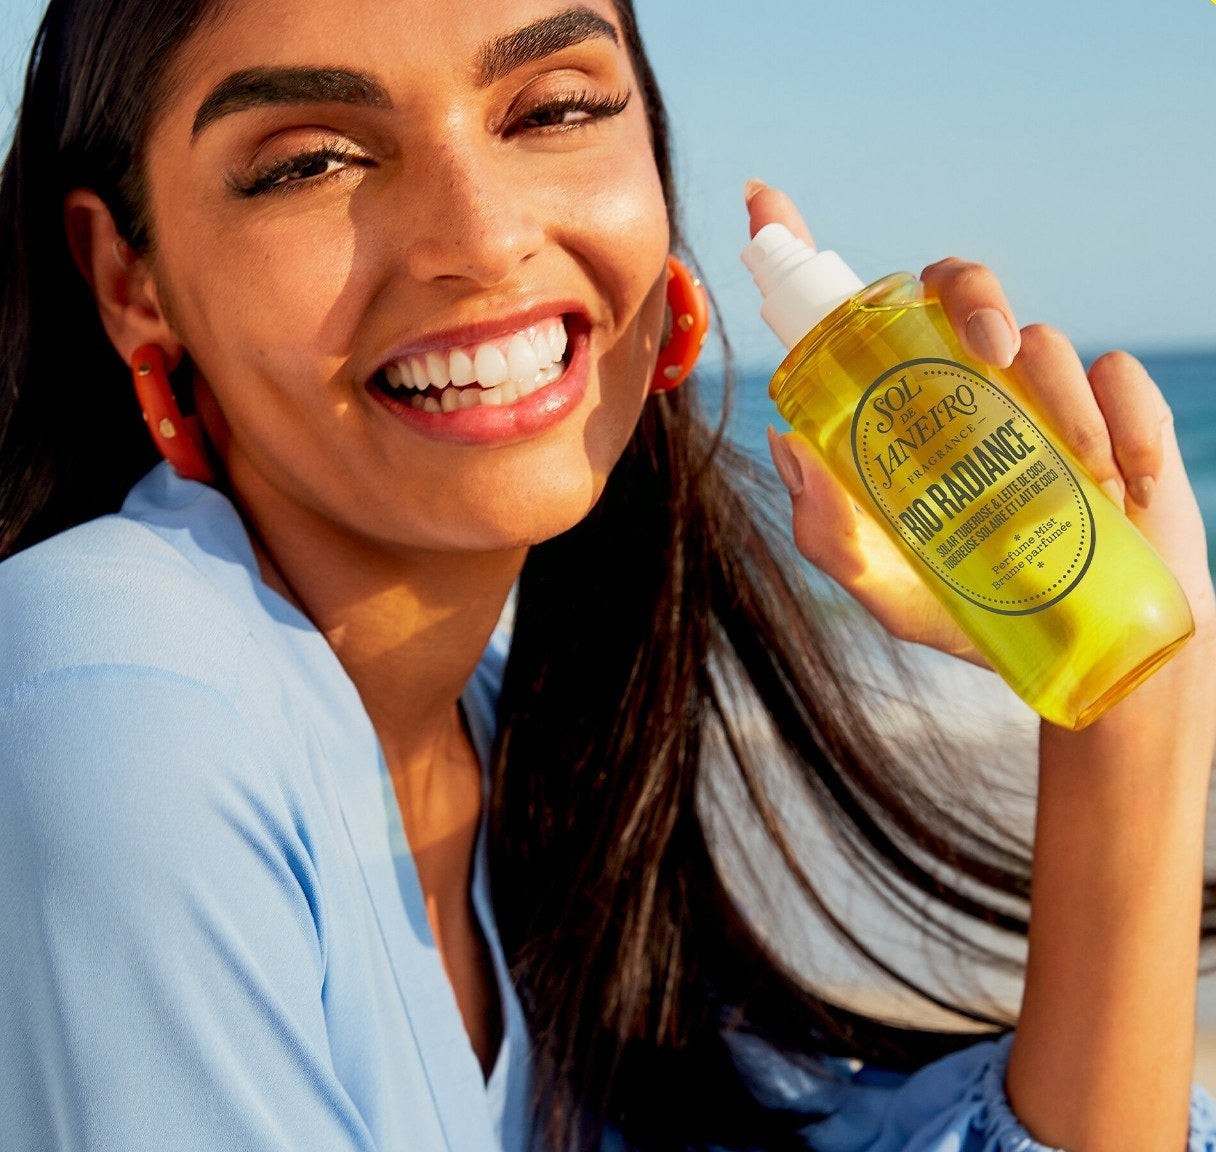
x=491, y=374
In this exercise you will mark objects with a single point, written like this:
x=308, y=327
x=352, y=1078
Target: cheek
x=264, y=308
x=631, y=233
x=272, y=296
x=622, y=237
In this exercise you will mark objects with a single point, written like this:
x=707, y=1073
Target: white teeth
x=542, y=345
x=437, y=371
x=491, y=366
x=506, y=370
x=461, y=368
x=522, y=362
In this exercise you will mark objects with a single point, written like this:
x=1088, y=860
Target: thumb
x=767, y=205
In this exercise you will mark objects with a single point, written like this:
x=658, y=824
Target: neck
x=409, y=628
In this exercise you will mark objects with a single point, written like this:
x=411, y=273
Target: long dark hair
x=649, y=641
x=71, y=437
x=652, y=643
x=674, y=714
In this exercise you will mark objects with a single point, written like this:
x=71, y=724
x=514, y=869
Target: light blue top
x=207, y=940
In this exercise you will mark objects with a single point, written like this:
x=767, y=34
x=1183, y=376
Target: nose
x=472, y=221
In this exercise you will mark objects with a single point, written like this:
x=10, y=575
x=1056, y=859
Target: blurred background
x=1070, y=147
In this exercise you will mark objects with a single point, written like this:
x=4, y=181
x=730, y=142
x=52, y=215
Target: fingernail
x=1114, y=490
x=785, y=462
x=1141, y=490
x=990, y=338
x=752, y=189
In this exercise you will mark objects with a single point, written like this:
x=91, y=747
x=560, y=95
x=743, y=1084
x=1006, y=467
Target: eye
x=299, y=169
x=571, y=110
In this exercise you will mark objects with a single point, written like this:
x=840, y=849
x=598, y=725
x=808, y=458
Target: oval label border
x=1078, y=567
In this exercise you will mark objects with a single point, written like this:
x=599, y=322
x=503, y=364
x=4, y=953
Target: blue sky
x=1070, y=146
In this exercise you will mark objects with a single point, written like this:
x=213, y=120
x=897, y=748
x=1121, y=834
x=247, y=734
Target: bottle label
x=972, y=486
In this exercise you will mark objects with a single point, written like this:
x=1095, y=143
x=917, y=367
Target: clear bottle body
x=1053, y=584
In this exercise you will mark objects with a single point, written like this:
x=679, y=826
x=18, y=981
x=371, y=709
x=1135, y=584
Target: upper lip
x=447, y=339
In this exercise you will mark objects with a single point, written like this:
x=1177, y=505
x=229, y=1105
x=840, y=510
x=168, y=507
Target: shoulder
x=147, y=744
x=112, y=593
x=130, y=674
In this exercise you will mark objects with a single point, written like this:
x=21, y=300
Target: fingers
x=848, y=546
x=1137, y=416
x=825, y=521
x=1112, y=420
x=767, y=205
x=970, y=293
x=1051, y=372
x=972, y=297
x=975, y=305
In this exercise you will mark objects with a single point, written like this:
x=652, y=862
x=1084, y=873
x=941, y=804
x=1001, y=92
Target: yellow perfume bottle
x=1053, y=584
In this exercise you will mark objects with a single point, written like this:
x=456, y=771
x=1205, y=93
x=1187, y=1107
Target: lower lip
x=529, y=416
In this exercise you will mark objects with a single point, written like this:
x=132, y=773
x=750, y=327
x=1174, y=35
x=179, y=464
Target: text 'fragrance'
x=1053, y=584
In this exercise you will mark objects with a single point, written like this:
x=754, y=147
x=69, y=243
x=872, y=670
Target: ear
x=122, y=281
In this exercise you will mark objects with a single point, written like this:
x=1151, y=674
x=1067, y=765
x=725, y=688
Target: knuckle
x=1141, y=447
x=942, y=267
x=899, y=626
x=1113, y=363
x=964, y=277
x=1090, y=440
x=1042, y=340
x=809, y=540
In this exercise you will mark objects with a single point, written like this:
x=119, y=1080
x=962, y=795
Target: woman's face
x=416, y=251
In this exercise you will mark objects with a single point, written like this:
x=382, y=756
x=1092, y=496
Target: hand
x=1114, y=419
x=1108, y=1005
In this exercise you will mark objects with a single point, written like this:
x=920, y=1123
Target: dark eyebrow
x=256, y=87
x=535, y=41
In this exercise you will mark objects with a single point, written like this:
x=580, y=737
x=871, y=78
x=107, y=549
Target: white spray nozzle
x=771, y=248
x=800, y=285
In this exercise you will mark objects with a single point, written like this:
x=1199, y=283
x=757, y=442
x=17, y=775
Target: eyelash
x=286, y=175
x=597, y=107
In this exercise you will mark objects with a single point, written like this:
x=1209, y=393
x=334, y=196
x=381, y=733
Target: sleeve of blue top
x=144, y=1004
x=955, y=1104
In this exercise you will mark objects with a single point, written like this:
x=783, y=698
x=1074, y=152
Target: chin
x=547, y=528
x=526, y=517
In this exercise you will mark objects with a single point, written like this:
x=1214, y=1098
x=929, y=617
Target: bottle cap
x=800, y=284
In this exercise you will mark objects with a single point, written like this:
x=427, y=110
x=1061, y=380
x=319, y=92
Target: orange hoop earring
x=685, y=328
x=178, y=438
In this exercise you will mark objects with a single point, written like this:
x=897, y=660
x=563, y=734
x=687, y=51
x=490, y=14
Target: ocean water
x=1187, y=378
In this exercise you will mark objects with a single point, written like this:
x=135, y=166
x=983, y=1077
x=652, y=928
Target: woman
x=229, y=709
